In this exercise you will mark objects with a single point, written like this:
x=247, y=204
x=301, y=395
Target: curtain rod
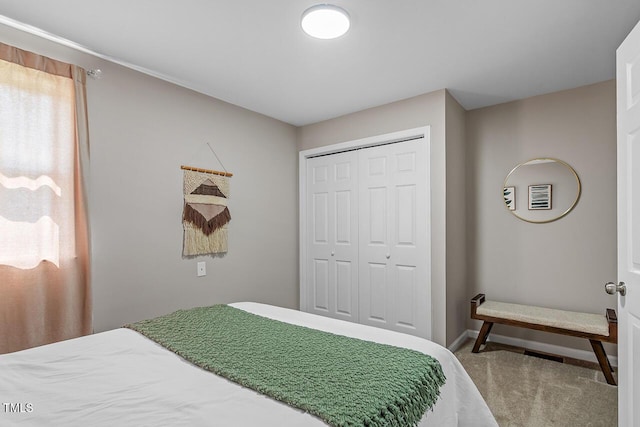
x=191, y=168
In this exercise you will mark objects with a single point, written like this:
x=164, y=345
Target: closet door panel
x=320, y=212
x=406, y=216
x=377, y=216
x=374, y=237
x=377, y=284
x=405, y=309
x=393, y=233
x=320, y=285
x=344, y=285
x=344, y=253
x=332, y=212
x=343, y=204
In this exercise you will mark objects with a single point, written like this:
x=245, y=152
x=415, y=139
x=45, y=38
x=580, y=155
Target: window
x=37, y=140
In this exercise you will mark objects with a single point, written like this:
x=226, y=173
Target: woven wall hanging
x=205, y=215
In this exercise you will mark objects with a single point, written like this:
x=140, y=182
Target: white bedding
x=120, y=378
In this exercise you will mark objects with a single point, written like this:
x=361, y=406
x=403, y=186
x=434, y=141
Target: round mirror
x=541, y=190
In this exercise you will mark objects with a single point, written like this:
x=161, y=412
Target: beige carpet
x=530, y=391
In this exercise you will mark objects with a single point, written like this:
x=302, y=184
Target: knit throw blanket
x=344, y=381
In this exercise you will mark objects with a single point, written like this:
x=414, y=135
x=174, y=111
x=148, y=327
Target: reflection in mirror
x=541, y=190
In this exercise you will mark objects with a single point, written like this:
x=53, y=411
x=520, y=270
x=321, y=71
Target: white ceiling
x=253, y=53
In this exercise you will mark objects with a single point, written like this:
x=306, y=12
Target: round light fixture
x=325, y=21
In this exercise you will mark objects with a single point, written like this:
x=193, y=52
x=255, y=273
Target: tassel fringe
x=208, y=227
x=197, y=243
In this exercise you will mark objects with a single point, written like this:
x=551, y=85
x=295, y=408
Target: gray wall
x=142, y=130
x=562, y=264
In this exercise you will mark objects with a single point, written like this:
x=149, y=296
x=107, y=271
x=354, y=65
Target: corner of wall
x=456, y=218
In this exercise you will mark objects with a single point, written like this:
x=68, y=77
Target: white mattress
x=120, y=378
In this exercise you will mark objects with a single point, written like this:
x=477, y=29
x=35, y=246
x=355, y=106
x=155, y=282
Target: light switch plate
x=202, y=268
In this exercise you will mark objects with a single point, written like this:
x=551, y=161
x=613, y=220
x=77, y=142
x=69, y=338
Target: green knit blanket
x=344, y=381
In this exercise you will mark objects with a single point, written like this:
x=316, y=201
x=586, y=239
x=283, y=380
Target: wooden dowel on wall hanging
x=191, y=168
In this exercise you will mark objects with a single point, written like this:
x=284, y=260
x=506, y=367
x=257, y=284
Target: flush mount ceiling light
x=325, y=21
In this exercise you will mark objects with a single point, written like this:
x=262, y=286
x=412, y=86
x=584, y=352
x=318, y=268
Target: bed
x=122, y=378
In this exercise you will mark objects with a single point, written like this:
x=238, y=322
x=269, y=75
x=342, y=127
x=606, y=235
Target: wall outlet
x=202, y=268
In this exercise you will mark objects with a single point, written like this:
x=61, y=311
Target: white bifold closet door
x=368, y=251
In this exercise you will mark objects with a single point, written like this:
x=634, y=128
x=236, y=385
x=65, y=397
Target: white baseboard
x=460, y=341
x=533, y=345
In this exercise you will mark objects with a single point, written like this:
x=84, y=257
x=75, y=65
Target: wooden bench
x=594, y=327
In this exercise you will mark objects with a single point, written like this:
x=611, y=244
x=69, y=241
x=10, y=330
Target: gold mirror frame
x=543, y=160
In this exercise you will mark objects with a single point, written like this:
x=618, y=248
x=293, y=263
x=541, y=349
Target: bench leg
x=482, y=336
x=603, y=360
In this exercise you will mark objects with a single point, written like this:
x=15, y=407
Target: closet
x=365, y=232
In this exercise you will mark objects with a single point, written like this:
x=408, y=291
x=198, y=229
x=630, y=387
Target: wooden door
x=394, y=255
x=628, y=94
x=332, y=235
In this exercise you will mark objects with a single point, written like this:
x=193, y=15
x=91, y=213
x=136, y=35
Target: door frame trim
x=372, y=141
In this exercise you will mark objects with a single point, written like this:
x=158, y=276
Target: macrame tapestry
x=206, y=215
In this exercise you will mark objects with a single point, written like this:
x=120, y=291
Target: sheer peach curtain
x=45, y=294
